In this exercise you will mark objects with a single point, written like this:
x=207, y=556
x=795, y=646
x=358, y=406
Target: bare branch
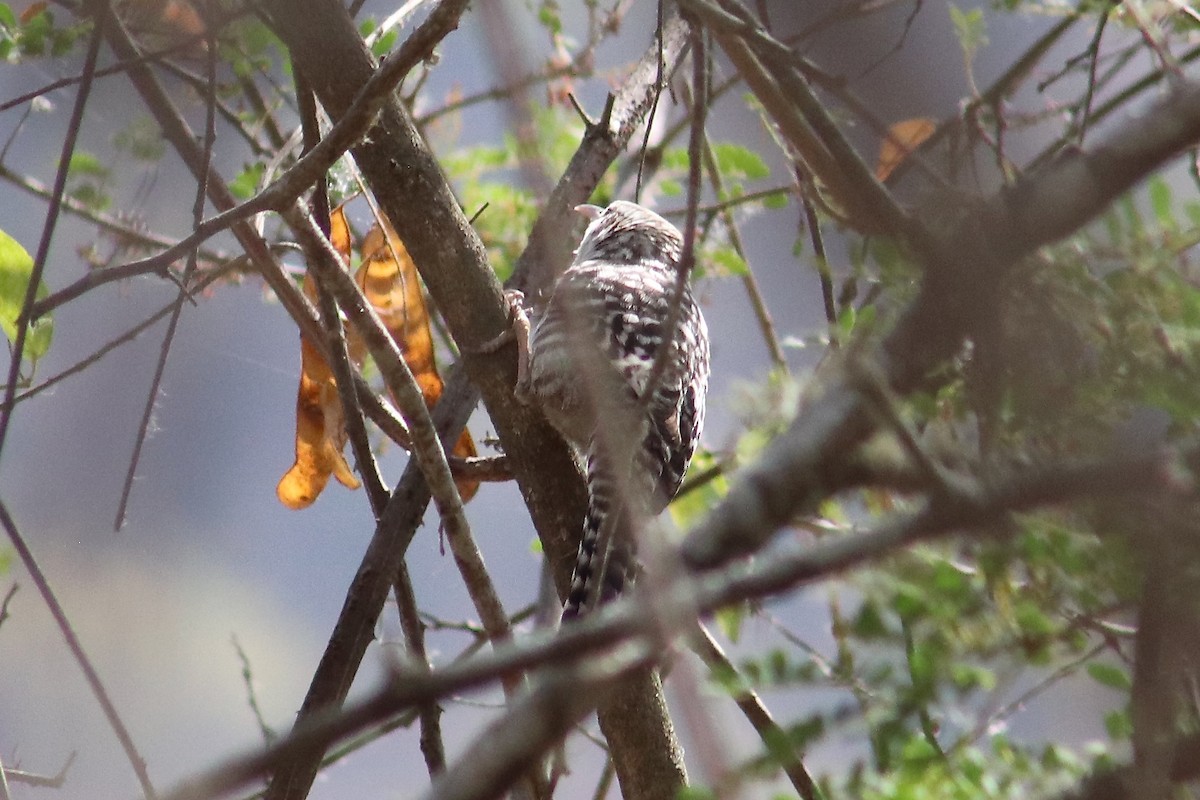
x=569, y=656
x=45, y=781
x=704, y=645
x=77, y=652
x=962, y=271
x=210, y=136
x=411, y=189
x=25, y=317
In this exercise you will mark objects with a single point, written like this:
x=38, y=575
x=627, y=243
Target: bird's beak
x=590, y=212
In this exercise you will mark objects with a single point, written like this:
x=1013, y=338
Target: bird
x=592, y=353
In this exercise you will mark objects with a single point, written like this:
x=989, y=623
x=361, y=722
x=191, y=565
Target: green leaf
x=84, y=163
x=384, y=44
x=690, y=505
x=1160, y=200
x=736, y=160
x=728, y=262
x=245, y=185
x=1118, y=725
x=1032, y=620
x=16, y=268
x=969, y=676
x=729, y=620
x=775, y=201
x=91, y=195
x=1192, y=209
x=550, y=17
x=910, y=601
x=868, y=623
x=1109, y=675
x=971, y=30
x=141, y=138
x=7, y=18
x=1133, y=217
x=675, y=158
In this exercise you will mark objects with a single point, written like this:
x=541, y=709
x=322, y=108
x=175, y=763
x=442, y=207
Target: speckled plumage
x=591, y=353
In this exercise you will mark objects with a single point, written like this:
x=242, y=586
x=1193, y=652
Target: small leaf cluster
x=485, y=177
x=35, y=33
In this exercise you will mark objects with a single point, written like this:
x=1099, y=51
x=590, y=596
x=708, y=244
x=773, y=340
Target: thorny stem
x=210, y=136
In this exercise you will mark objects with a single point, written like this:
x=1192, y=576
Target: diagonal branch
x=80, y=655
x=572, y=657
x=25, y=317
x=963, y=271
x=307, y=170
x=411, y=189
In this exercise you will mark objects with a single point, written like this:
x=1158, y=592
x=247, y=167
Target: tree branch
x=570, y=658
x=411, y=189
x=964, y=267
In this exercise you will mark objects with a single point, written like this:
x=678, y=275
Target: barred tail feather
x=618, y=569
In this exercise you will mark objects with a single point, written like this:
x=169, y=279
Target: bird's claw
x=518, y=331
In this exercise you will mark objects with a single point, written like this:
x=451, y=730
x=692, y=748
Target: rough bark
x=412, y=190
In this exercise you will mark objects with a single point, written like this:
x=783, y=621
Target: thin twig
x=125, y=233
x=820, y=261
x=44, y=781
x=755, y=711
x=60, y=184
x=210, y=136
x=489, y=469
x=102, y=277
x=625, y=620
x=111, y=69
x=429, y=713
x=687, y=256
x=8, y=596
x=1021, y=701
x=758, y=303
x=660, y=83
x=76, y=647
x=4, y=793
x=124, y=338
x=268, y=734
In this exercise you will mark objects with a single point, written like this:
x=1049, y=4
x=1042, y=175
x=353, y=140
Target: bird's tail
x=607, y=531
